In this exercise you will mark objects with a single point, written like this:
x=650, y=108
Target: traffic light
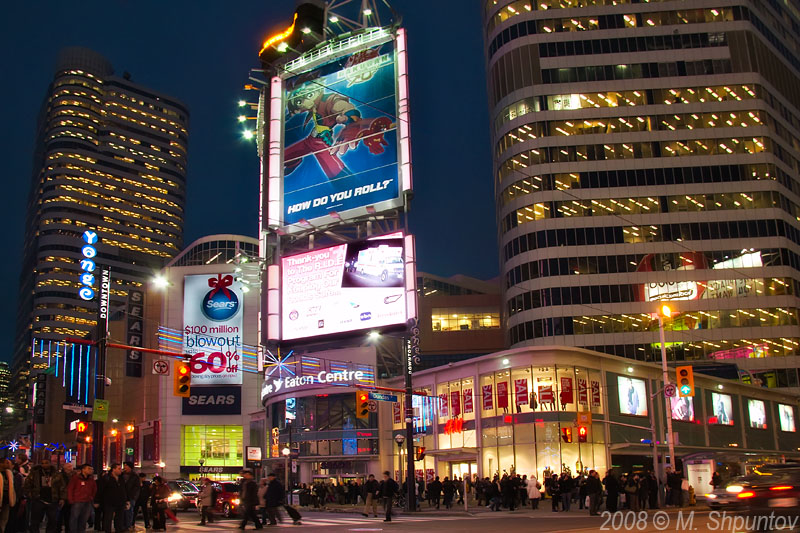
x=566, y=435
x=362, y=404
x=181, y=379
x=80, y=431
x=419, y=453
x=685, y=381
x=583, y=432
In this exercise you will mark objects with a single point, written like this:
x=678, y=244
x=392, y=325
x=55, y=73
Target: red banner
x=455, y=403
x=418, y=473
x=583, y=392
x=502, y=395
x=566, y=395
x=443, y=405
x=595, y=394
x=397, y=412
x=546, y=394
x=487, y=397
x=429, y=475
x=467, y=400
x=521, y=391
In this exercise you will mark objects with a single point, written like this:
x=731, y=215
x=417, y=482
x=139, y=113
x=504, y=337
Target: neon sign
x=321, y=378
x=278, y=37
x=89, y=252
x=455, y=425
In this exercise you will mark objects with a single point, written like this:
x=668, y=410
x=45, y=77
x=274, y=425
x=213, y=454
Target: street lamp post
x=665, y=311
x=286, y=451
x=400, y=439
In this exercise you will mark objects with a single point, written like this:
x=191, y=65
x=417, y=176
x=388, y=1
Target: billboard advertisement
x=343, y=288
x=632, y=396
x=212, y=328
x=786, y=416
x=722, y=408
x=757, y=413
x=340, y=136
x=682, y=408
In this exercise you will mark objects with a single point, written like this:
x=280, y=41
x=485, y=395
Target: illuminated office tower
x=110, y=156
x=647, y=152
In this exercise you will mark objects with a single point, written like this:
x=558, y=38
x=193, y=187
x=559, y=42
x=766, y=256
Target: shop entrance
x=462, y=469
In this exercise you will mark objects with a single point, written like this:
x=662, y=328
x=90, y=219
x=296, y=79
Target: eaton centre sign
x=274, y=386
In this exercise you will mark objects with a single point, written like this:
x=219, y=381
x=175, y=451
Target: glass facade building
x=647, y=153
x=110, y=156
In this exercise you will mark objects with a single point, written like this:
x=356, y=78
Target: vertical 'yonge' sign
x=89, y=252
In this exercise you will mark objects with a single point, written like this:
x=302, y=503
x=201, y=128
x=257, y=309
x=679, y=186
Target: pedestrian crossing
x=314, y=522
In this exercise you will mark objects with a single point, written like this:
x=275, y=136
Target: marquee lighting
x=278, y=37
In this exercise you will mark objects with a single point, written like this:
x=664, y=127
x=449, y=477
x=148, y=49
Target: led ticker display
x=632, y=396
x=344, y=288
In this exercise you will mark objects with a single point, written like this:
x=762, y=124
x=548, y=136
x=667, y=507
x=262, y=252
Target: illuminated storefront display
x=217, y=446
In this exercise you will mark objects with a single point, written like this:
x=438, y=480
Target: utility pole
x=666, y=312
x=412, y=353
x=100, y=364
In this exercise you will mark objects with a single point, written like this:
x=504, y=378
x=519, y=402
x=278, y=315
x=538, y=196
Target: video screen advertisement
x=722, y=409
x=786, y=417
x=340, y=136
x=212, y=328
x=682, y=408
x=349, y=287
x=757, y=412
x=632, y=396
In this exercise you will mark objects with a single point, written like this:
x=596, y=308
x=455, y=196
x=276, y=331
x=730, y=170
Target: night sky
x=200, y=52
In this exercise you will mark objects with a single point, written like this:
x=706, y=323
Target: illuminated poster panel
x=786, y=416
x=682, y=408
x=340, y=136
x=722, y=409
x=757, y=413
x=632, y=396
x=344, y=288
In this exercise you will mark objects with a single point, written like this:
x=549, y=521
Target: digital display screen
x=757, y=413
x=786, y=416
x=632, y=396
x=682, y=408
x=340, y=136
x=360, y=285
x=722, y=409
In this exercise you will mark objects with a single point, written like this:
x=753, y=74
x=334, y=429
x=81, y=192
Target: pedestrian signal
x=685, y=381
x=362, y=404
x=583, y=432
x=419, y=453
x=566, y=435
x=181, y=379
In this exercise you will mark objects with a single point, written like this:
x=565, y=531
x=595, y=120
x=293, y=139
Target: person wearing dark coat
x=594, y=490
x=652, y=482
x=159, y=492
x=449, y=490
x=141, y=501
x=112, y=497
x=555, y=491
x=273, y=498
x=435, y=491
x=566, y=484
x=388, y=490
x=248, y=498
x=369, y=491
x=133, y=486
x=612, y=492
x=644, y=492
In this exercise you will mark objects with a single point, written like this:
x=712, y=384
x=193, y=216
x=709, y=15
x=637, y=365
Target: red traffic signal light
x=362, y=404
x=182, y=379
x=566, y=435
x=583, y=432
x=419, y=453
x=82, y=426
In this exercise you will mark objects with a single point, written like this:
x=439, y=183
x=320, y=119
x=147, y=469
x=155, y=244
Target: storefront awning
x=455, y=454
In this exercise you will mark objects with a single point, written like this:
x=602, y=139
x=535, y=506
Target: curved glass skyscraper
x=647, y=152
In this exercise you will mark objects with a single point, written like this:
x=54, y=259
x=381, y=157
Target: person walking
x=533, y=492
x=388, y=490
x=38, y=489
x=8, y=496
x=81, y=493
x=555, y=491
x=141, y=501
x=435, y=491
x=60, y=483
x=206, y=500
x=159, y=494
x=370, y=489
x=112, y=497
x=459, y=484
x=566, y=484
x=594, y=490
x=132, y=488
x=612, y=492
x=448, y=488
x=248, y=497
x=716, y=480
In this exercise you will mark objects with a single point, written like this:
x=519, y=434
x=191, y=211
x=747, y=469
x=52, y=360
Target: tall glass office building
x=648, y=152
x=110, y=157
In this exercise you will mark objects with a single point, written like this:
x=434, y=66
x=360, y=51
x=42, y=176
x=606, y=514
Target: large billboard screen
x=340, y=136
x=343, y=288
x=632, y=396
x=786, y=416
x=757, y=412
x=722, y=408
x=212, y=328
x=682, y=408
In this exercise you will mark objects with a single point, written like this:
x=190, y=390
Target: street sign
x=100, y=412
x=294, y=466
x=670, y=390
x=584, y=418
x=161, y=367
x=128, y=451
x=76, y=407
x=382, y=397
x=372, y=406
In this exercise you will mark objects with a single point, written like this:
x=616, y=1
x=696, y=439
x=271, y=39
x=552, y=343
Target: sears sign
x=213, y=401
x=212, y=328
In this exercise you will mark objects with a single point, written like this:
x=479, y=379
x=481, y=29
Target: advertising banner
x=468, y=401
x=502, y=395
x=583, y=392
x=566, y=395
x=429, y=475
x=443, y=405
x=487, y=397
x=340, y=136
x=786, y=417
x=212, y=328
x=682, y=408
x=521, y=391
x=595, y=394
x=632, y=394
x=757, y=412
x=397, y=413
x=722, y=408
x=225, y=400
x=135, y=327
x=343, y=288
x=455, y=403
x=546, y=394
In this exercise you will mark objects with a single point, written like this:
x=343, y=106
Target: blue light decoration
x=13, y=445
x=171, y=340
x=66, y=362
x=277, y=363
x=89, y=252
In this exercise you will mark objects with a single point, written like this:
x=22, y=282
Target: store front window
x=215, y=445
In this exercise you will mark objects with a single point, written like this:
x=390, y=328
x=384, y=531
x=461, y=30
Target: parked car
x=227, y=498
x=183, y=495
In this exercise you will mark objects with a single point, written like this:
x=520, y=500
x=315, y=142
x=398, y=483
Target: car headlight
x=175, y=496
x=711, y=496
x=736, y=489
x=235, y=501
